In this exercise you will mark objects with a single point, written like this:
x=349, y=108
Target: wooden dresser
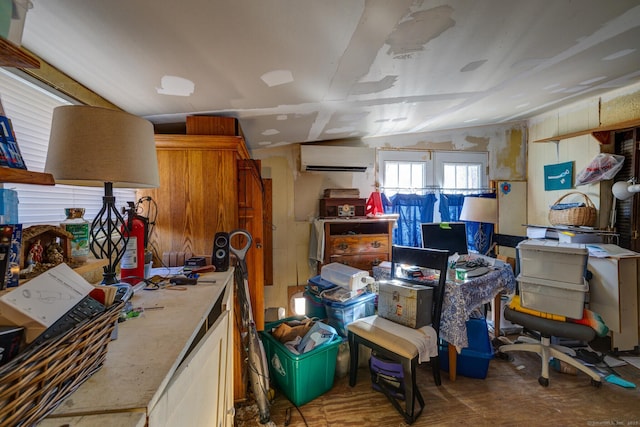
x=359, y=243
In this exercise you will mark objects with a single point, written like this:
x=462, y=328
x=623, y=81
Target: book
x=10, y=154
x=13, y=268
x=6, y=232
x=10, y=338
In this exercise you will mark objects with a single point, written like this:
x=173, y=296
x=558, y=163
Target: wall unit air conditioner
x=329, y=158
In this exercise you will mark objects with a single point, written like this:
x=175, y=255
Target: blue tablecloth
x=462, y=298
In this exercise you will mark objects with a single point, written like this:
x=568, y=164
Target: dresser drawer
x=361, y=262
x=358, y=243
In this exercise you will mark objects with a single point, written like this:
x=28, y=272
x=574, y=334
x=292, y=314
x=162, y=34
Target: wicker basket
x=577, y=216
x=36, y=381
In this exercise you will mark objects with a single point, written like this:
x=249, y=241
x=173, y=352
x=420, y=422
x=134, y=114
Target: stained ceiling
x=307, y=70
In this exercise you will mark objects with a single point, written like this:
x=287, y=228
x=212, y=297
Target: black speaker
x=220, y=258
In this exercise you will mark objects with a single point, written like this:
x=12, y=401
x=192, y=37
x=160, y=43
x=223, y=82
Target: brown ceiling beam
x=58, y=80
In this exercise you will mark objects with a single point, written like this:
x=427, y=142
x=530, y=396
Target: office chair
x=397, y=342
x=548, y=328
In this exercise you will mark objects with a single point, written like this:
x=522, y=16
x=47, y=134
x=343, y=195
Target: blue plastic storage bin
x=313, y=306
x=472, y=361
x=340, y=314
x=316, y=285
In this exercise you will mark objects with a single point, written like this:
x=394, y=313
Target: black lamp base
x=107, y=238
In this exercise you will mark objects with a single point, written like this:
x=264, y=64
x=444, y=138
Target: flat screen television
x=450, y=236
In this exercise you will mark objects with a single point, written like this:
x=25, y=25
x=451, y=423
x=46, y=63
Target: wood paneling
x=212, y=125
x=198, y=193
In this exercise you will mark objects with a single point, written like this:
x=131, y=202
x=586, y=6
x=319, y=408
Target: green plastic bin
x=301, y=377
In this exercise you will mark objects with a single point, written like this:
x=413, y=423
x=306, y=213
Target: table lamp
x=95, y=147
x=480, y=210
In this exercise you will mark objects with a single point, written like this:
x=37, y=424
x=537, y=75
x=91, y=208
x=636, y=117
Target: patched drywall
x=617, y=107
x=506, y=145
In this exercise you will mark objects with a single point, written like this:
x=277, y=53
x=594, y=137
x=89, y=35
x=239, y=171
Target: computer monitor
x=450, y=236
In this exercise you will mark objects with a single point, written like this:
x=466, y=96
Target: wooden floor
x=509, y=396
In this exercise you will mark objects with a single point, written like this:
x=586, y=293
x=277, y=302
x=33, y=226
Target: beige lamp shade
x=89, y=146
x=480, y=209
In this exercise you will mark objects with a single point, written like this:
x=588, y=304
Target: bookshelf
x=21, y=176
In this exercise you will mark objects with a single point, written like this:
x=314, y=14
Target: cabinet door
x=250, y=218
x=197, y=197
x=613, y=295
x=197, y=394
x=200, y=392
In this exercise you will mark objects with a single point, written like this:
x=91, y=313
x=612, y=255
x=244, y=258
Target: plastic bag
x=319, y=334
x=603, y=166
x=374, y=205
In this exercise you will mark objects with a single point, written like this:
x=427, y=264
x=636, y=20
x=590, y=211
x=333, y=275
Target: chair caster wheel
x=596, y=384
x=544, y=382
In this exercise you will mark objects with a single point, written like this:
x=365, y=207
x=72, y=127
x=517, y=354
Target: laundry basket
x=569, y=214
x=37, y=380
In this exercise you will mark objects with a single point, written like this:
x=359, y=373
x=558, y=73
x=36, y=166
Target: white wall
x=614, y=107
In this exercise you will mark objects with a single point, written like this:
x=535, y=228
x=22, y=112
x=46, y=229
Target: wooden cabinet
x=209, y=184
x=614, y=295
x=361, y=244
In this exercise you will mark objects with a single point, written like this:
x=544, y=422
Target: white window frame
x=434, y=170
x=29, y=104
x=461, y=157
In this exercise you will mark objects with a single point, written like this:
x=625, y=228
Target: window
x=461, y=170
x=431, y=172
x=420, y=171
x=30, y=108
x=404, y=175
x=461, y=175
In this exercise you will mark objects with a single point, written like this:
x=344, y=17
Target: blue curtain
x=450, y=207
x=473, y=228
x=413, y=210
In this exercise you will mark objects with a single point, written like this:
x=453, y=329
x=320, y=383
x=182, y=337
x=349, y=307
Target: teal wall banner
x=558, y=177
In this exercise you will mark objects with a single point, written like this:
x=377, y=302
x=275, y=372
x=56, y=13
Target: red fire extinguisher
x=132, y=263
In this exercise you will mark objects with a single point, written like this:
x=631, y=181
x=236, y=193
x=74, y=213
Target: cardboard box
x=37, y=304
x=405, y=303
